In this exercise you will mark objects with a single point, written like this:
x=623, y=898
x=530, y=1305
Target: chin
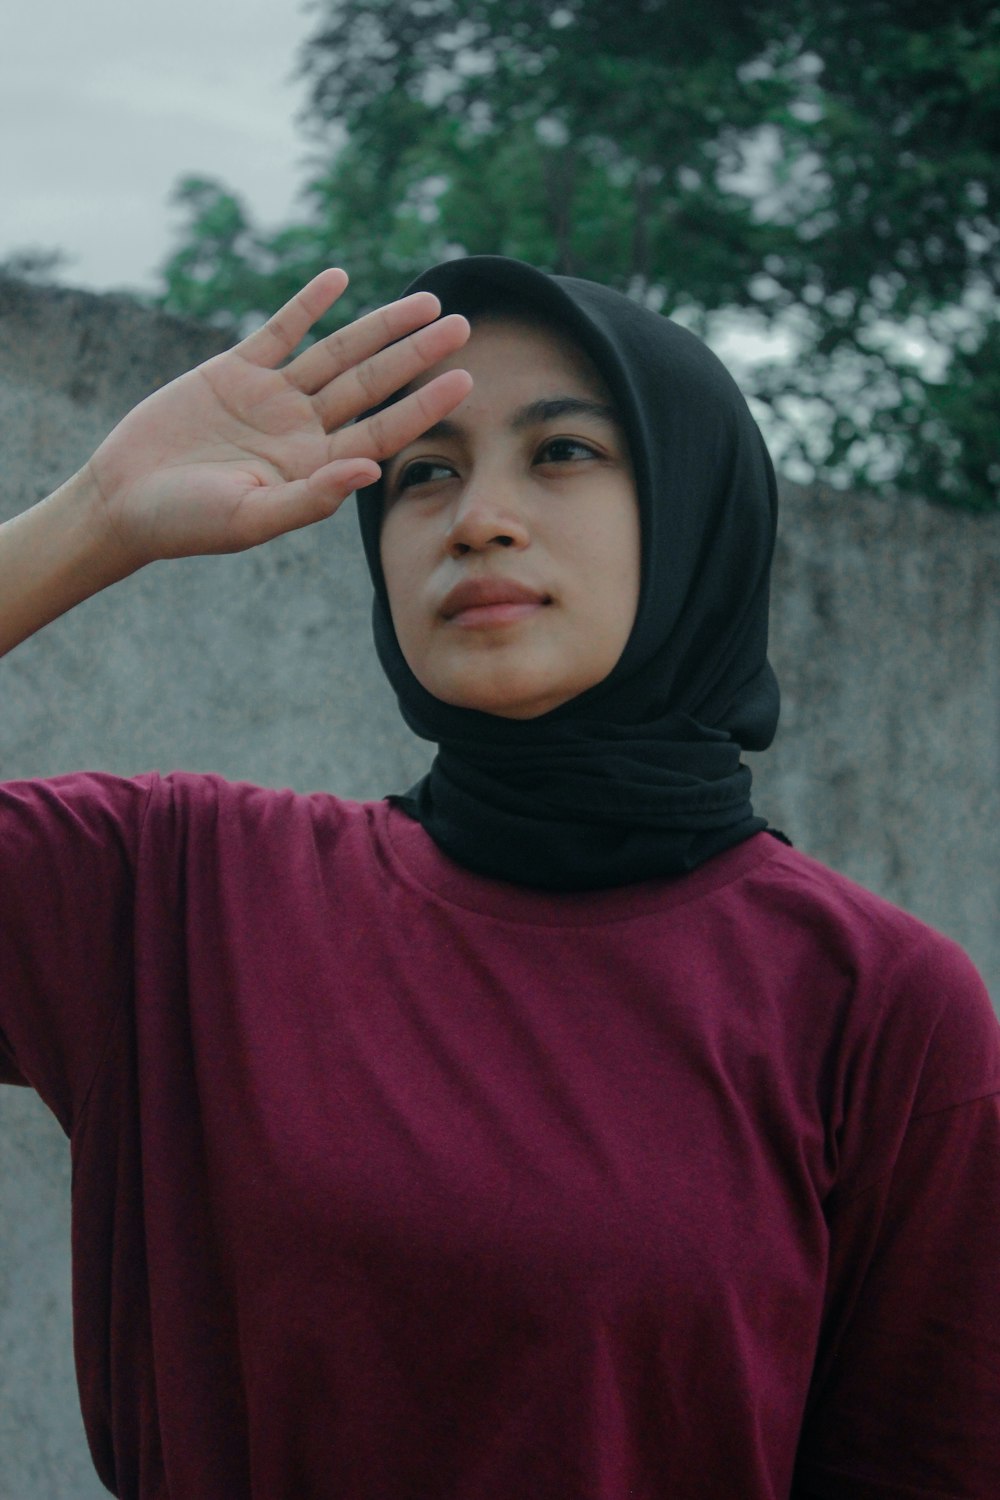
x=506, y=704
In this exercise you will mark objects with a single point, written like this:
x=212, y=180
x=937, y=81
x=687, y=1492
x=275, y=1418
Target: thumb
x=334, y=482
x=270, y=511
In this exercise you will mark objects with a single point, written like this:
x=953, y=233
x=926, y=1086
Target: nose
x=486, y=515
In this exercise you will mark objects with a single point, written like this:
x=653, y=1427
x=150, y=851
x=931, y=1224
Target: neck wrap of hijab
x=640, y=776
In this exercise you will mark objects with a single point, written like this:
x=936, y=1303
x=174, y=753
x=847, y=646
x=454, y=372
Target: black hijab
x=639, y=776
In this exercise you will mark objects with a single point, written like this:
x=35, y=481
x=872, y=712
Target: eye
x=564, y=450
x=423, y=471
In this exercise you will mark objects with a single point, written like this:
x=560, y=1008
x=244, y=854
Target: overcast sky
x=104, y=104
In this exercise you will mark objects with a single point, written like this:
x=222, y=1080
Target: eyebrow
x=536, y=412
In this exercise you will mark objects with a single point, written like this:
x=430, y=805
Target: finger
x=328, y=358
x=369, y=383
x=386, y=432
x=269, y=511
x=286, y=328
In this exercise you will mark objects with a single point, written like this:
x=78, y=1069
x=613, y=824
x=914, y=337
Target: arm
x=906, y=1392
x=51, y=558
x=240, y=450
x=234, y=453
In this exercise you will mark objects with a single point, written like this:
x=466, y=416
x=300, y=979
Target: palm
x=240, y=450
x=244, y=430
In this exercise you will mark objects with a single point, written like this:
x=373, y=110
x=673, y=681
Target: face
x=510, y=538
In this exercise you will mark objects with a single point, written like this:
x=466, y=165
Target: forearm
x=54, y=556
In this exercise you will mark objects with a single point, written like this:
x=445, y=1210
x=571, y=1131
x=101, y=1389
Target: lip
x=491, y=601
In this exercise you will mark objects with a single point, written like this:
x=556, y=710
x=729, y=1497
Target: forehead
x=523, y=348
x=519, y=358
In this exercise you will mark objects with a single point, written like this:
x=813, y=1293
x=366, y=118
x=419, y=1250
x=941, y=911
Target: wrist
x=89, y=543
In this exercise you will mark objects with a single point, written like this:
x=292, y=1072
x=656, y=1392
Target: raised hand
x=244, y=447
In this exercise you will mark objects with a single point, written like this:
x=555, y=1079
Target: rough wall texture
x=886, y=638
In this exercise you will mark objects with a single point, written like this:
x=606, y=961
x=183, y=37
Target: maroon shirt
x=396, y=1183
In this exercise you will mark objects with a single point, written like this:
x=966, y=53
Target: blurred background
x=811, y=186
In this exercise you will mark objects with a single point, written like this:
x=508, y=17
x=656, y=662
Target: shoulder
x=85, y=810
x=799, y=896
x=213, y=811
x=805, y=890
x=150, y=813
x=915, y=1004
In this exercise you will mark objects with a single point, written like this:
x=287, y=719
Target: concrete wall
x=886, y=639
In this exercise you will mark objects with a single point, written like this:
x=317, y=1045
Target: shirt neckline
x=419, y=862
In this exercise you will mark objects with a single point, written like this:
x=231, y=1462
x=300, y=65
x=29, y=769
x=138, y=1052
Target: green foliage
x=829, y=171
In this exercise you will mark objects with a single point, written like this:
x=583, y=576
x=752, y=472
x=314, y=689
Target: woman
x=553, y=1129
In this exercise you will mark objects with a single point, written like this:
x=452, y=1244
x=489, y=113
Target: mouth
x=480, y=602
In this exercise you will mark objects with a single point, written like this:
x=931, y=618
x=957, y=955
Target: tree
x=828, y=171
x=891, y=168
